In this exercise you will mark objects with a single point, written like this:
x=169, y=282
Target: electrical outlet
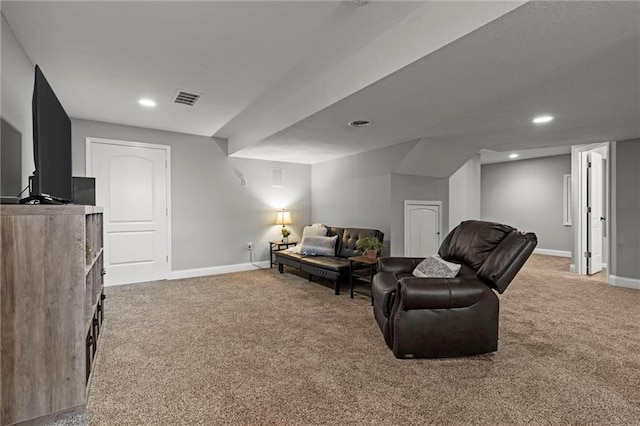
x=250, y=245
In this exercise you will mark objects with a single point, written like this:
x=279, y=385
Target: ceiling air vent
x=359, y=123
x=186, y=98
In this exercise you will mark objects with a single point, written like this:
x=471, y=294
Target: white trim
x=216, y=270
x=624, y=282
x=578, y=192
x=125, y=143
x=547, y=252
x=87, y=165
x=567, y=199
x=583, y=225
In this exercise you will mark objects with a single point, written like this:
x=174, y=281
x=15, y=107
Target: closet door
x=132, y=186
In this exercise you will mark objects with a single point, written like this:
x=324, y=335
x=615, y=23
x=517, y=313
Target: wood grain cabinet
x=52, y=309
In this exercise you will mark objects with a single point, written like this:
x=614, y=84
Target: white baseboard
x=547, y=252
x=624, y=282
x=215, y=270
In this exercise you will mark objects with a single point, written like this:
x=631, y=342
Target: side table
x=361, y=268
x=278, y=245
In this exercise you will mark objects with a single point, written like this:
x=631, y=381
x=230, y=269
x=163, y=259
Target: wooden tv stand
x=52, y=309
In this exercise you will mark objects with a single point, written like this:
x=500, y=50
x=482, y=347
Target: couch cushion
x=289, y=255
x=466, y=271
x=335, y=230
x=350, y=238
x=285, y=257
x=332, y=263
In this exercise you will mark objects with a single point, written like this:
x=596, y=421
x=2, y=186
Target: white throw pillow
x=295, y=249
x=436, y=267
x=309, y=231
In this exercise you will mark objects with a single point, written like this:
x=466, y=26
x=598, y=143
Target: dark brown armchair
x=450, y=317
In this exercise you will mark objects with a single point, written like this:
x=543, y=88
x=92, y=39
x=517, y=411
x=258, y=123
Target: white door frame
x=578, y=183
x=89, y=141
x=406, y=219
x=595, y=200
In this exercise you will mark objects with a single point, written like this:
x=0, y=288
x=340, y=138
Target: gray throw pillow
x=436, y=267
x=318, y=246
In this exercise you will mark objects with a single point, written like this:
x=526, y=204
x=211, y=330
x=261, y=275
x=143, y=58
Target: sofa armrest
x=439, y=293
x=398, y=265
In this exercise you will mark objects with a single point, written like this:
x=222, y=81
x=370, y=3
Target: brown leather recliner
x=450, y=317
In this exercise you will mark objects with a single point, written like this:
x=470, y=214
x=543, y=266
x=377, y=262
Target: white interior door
x=132, y=186
x=594, y=213
x=422, y=228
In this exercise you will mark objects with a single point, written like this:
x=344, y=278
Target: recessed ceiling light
x=147, y=102
x=514, y=155
x=542, y=119
x=359, y=123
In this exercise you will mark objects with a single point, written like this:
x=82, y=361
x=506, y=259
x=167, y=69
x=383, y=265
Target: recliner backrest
x=473, y=241
x=495, y=251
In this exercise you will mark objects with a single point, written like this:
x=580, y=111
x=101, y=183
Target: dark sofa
x=450, y=317
x=335, y=268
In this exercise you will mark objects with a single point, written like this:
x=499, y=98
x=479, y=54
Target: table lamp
x=283, y=218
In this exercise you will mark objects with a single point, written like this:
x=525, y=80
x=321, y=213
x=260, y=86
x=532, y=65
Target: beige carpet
x=262, y=348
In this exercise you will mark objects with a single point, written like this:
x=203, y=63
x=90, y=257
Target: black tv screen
x=51, y=144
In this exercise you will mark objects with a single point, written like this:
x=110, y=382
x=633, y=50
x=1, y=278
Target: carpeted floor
x=263, y=348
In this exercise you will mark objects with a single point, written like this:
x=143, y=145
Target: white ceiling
x=488, y=156
x=282, y=79
x=102, y=56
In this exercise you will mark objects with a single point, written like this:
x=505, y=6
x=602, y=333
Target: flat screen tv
x=51, y=180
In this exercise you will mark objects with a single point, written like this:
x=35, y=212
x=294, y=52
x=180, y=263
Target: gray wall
x=10, y=160
x=355, y=190
x=528, y=195
x=213, y=217
x=411, y=187
x=465, y=193
x=17, y=89
x=627, y=210
x=362, y=191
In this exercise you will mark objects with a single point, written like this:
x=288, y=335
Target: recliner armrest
x=439, y=293
x=398, y=265
x=383, y=291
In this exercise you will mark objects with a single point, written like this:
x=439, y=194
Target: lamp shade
x=283, y=218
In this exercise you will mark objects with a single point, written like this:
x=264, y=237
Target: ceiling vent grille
x=359, y=123
x=184, y=97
